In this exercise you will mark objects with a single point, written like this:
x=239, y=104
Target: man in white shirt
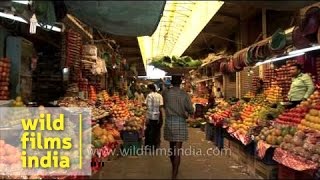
x=154, y=103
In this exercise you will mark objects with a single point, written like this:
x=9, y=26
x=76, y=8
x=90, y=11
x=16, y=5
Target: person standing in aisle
x=211, y=99
x=177, y=104
x=219, y=93
x=154, y=103
x=138, y=96
x=301, y=87
x=259, y=89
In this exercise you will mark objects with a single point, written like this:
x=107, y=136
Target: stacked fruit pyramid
x=4, y=79
x=274, y=94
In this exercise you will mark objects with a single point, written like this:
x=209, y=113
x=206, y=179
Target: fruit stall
x=112, y=117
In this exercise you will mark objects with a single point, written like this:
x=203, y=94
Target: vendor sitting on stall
x=301, y=86
x=259, y=89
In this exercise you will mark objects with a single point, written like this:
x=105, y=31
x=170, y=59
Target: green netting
x=126, y=18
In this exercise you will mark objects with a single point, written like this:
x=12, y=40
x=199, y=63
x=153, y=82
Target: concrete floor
x=197, y=166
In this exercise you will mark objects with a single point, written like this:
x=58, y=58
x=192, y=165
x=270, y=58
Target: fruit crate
x=288, y=173
x=218, y=137
x=131, y=148
x=249, y=149
x=226, y=134
x=130, y=136
x=266, y=171
x=268, y=158
x=209, y=129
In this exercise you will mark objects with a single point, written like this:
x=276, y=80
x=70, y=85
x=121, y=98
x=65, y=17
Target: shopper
x=301, y=87
x=138, y=96
x=219, y=93
x=154, y=103
x=259, y=88
x=177, y=105
x=211, y=99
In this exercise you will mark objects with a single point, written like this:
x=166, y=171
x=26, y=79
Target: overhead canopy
x=126, y=18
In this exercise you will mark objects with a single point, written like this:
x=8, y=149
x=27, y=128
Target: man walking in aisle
x=154, y=102
x=177, y=105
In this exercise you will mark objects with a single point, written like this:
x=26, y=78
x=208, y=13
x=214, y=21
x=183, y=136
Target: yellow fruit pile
x=274, y=94
x=311, y=121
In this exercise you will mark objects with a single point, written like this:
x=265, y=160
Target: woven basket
x=177, y=70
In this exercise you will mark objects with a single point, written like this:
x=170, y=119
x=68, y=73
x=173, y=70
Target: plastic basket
x=130, y=136
x=131, y=148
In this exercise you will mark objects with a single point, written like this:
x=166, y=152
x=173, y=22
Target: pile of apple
x=219, y=116
x=4, y=79
x=293, y=116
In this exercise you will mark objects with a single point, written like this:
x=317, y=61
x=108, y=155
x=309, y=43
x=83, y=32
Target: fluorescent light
x=155, y=73
x=53, y=28
x=305, y=50
x=20, y=19
x=180, y=24
x=23, y=2
x=278, y=59
x=10, y=16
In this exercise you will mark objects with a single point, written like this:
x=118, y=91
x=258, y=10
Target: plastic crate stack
x=71, y=52
x=131, y=142
x=88, y=59
x=4, y=78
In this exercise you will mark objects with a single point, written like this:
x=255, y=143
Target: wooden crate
x=288, y=173
x=235, y=151
x=266, y=171
x=247, y=161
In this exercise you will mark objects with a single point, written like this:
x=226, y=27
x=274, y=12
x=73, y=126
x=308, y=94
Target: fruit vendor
x=177, y=105
x=301, y=86
x=154, y=102
x=259, y=88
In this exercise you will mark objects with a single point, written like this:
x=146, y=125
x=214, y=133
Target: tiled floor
x=200, y=165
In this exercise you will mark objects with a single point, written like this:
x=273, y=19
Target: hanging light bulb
x=33, y=24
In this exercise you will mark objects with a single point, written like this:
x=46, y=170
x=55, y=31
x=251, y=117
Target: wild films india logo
x=52, y=142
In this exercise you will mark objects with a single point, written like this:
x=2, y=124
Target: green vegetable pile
x=175, y=62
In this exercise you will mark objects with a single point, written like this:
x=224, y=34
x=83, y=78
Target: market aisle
x=159, y=167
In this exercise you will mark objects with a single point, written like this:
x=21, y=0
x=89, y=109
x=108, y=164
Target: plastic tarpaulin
x=125, y=18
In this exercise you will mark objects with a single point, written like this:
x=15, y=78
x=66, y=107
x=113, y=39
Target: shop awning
x=126, y=18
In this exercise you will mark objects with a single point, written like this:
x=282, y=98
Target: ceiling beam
x=226, y=14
